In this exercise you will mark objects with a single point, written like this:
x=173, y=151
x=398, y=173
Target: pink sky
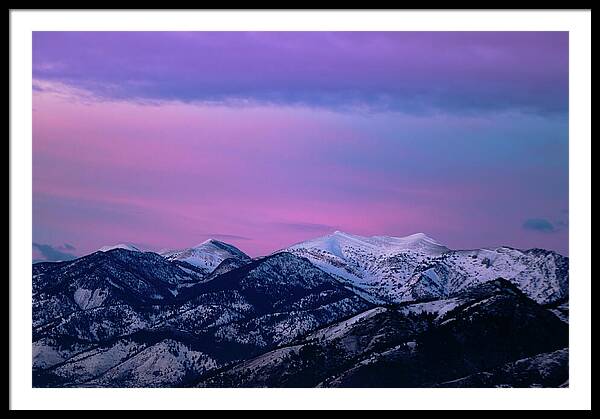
x=172, y=175
x=169, y=172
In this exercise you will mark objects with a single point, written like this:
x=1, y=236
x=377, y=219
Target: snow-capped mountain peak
x=214, y=243
x=126, y=246
x=206, y=255
x=397, y=269
x=339, y=241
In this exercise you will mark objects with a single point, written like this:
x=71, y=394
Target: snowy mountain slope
x=484, y=327
x=543, y=275
x=102, y=296
x=561, y=309
x=544, y=370
x=397, y=269
x=494, y=324
x=165, y=363
x=311, y=359
x=240, y=313
x=108, y=278
x=227, y=265
x=375, y=265
x=149, y=358
x=207, y=255
x=267, y=302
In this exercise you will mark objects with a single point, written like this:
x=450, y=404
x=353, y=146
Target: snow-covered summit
x=207, y=255
x=418, y=267
x=339, y=242
x=126, y=246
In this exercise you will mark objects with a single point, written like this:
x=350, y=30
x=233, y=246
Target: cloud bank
x=47, y=252
x=413, y=72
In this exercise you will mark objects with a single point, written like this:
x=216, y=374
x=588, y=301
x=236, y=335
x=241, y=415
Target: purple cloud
x=314, y=228
x=539, y=224
x=414, y=72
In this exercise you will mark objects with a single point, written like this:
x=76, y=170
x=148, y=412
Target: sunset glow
x=265, y=139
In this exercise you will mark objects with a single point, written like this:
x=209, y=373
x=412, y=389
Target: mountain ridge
x=396, y=269
x=126, y=318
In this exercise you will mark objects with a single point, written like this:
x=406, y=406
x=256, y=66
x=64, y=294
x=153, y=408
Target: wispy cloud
x=307, y=227
x=225, y=236
x=539, y=224
x=50, y=253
